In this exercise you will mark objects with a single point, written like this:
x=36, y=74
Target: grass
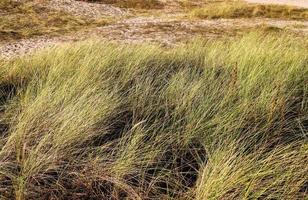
x=25, y=19
x=223, y=119
x=138, y=4
x=244, y=10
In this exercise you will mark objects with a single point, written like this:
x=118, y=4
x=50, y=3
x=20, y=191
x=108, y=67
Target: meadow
x=211, y=119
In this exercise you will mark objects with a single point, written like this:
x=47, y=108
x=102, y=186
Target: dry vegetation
x=208, y=120
x=143, y=4
x=24, y=19
x=225, y=118
x=244, y=10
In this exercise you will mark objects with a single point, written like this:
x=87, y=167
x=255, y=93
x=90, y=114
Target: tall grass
x=207, y=120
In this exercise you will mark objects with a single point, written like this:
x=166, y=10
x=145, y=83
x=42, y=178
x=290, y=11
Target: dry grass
x=244, y=10
x=207, y=120
x=139, y=4
x=24, y=20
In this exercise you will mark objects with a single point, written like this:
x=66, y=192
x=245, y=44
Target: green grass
x=26, y=19
x=222, y=119
x=244, y=10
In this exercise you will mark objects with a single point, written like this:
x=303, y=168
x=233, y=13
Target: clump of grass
x=207, y=120
x=244, y=10
x=25, y=19
x=139, y=4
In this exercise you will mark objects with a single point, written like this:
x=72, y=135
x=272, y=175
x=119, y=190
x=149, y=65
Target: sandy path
x=299, y=3
x=84, y=9
x=166, y=31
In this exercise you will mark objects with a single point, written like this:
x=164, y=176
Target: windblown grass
x=244, y=10
x=208, y=120
x=25, y=19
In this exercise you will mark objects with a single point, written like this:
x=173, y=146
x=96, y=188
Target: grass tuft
x=244, y=10
x=25, y=19
x=222, y=119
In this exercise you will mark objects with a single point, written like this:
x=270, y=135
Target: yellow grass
x=143, y=4
x=222, y=119
x=244, y=10
x=24, y=20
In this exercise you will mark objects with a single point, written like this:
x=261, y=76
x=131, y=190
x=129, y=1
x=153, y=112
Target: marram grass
x=207, y=120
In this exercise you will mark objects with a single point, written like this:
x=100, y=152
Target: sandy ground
x=84, y=9
x=299, y=3
x=165, y=29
